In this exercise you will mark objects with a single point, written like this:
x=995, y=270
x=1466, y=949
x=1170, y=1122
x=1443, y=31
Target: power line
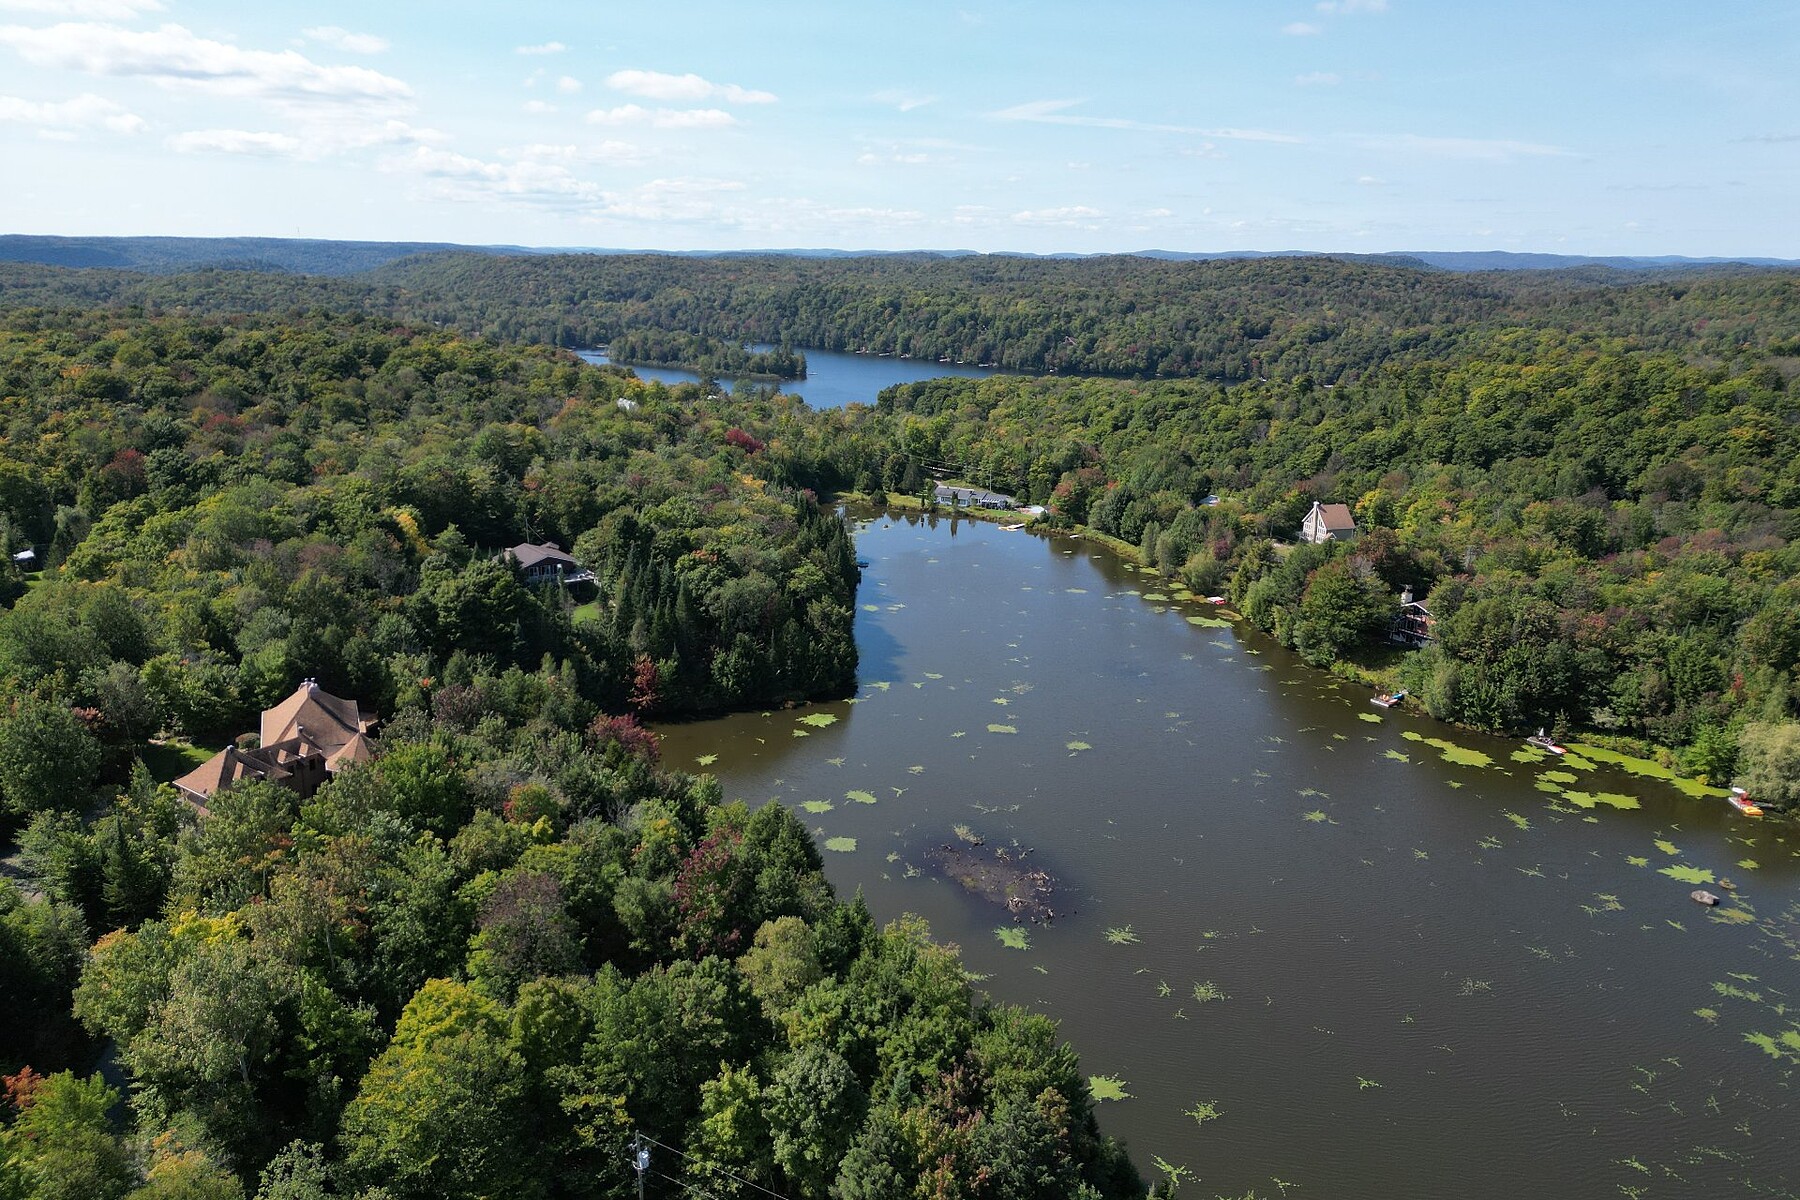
x=714, y=1167
x=684, y=1185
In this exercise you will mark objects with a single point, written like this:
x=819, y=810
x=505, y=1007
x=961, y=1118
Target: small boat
x=1544, y=742
x=1740, y=800
x=1215, y=600
x=1702, y=896
x=1010, y=528
x=1389, y=699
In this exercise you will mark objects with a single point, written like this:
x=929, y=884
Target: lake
x=833, y=379
x=1317, y=955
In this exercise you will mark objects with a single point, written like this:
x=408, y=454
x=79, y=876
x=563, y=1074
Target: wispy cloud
x=662, y=118
x=1352, y=7
x=904, y=101
x=343, y=39
x=539, y=106
x=541, y=48
x=1302, y=29
x=235, y=141
x=1481, y=149
x=1054, y=112
x=1319, y=79
x=568, y=85
x=173, y=57
x=86, y=111
x=1078, y=215
x=1771, y=139
x=86, y=10
x=655, y=85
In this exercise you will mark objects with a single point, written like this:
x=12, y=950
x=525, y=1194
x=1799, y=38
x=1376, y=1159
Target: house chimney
x=1406, y=596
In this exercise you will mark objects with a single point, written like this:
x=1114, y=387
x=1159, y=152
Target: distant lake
x=1330, y=952
x=832, y=379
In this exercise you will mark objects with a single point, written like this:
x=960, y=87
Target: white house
x=1328, y=523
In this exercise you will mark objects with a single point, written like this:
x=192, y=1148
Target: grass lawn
x=173, y=759
x=586, y=612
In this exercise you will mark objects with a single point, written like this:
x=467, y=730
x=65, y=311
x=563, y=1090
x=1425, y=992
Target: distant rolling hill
x=308, y=256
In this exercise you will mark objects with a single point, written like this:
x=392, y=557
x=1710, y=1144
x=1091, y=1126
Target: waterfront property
x=1413, y=624
x=967, y=497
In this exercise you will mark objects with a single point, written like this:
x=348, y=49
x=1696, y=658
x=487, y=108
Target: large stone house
x=304, y=741
x=1328, y=523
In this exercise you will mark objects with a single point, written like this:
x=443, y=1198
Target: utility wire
x=715, y=1167
x=684, y=1185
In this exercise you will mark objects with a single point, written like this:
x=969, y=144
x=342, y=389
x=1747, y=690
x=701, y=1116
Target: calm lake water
x=832, y=379
x=1388, y=974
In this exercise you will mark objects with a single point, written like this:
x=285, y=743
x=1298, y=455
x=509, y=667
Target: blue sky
x=1596, y=127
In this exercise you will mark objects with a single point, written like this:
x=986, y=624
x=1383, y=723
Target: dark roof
x=526, y=555
x=1336, y=516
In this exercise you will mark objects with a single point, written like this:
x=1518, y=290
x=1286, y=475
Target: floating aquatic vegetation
x=1318, y=816
x=706, y=760
x=1784, y=1045
x=1363, y=1085
x=1163, y=989
x=1205, y=622
x=817, y=806
x=960, y=733
x=1203, y=1111
x=1001, y=700
x=1667, y=847
x=1121, y=936
x=1002, y=729
x=1733, y=992
x=860, y=796
x=1528, y=754
x=1207, y=992
x=1542, y=785
x=1689, y=874
x=801, y=733
x=915, y=769
x=1709, y=1015
x=1590, y=799
x=1490, y=843
x=893, y=856
x=1156, y=597
x=881, y=685
x=1076, y=747
x=932, y=675
x=1748, y=864
x=1637, y=860
x=1733, y=915
x=967, y=834
x=1371, y=718
x=1644, y=767
x=1398, y=756
x=871, y=608
x=1013, y=937
x=819, y=720
x=1107, y=1087
x=836, y=762
x=1558, y=776
x=1171, y=1172
x=1474, y=987
x=1076, y=591
x=843, y=845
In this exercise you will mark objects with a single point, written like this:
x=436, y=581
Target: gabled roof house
x=1328, y=523
x=545, y=562
x=306, y=739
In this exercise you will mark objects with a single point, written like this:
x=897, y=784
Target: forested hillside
x=1607, y=541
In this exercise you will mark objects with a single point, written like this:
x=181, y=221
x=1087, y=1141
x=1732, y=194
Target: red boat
x=1740, y=800
x=1543, y=741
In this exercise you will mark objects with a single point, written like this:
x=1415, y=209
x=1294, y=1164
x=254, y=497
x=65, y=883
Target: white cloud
x=1369, y=181
x=1072, y=215
x=609, y=152
x=568, y=85
x=1319, y=79
x=662, y=118
x=1051, y=112
x=234, y=141
x=907, y=158
x=1301, y=29
x=91, y=10
x=1159, y=214
x=343, y=39
x=461, y=177
x=539, y=106
x=1351, y=7
x=1474, y=149
x=654, y=85
x=173, y=57
x=904, y=101
x=541, y=48
x=86, y=111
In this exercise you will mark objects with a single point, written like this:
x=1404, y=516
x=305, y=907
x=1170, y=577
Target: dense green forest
x=1123, y=316
x=484, y=962
x=480, y=964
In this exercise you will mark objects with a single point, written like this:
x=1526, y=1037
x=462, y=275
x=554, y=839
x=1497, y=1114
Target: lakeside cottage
x=1413, y=623
x=305, y=740
x=964, y=497
x=1328, y=523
